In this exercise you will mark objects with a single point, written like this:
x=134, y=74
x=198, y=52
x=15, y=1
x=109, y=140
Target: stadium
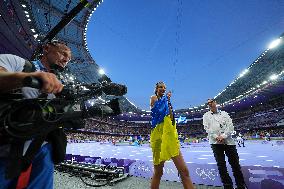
x=109, y=151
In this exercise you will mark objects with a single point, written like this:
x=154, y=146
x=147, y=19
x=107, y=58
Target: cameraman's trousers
x=41, y=173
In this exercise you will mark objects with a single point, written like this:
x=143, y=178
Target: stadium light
x=274, y=43
x=101, y=71
x=244, y=72
x=273, y=77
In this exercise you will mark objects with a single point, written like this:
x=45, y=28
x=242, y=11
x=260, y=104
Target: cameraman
x=12, y=72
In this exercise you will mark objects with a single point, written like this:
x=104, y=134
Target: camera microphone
x=114, y=89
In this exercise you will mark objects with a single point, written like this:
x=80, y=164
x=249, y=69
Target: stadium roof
x=27, y=23
x=264, y=78
x=267, y=68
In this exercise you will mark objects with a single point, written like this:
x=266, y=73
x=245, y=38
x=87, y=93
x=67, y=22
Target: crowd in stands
x=253, y=123
x=100, y=131
x=83, y=136
x=266, y=119
x=119, y=128
x=260, y=134
x=131, y=128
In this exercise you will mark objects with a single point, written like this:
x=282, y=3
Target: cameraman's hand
x=50, y=84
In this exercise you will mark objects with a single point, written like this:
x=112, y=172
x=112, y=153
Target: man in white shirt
x=219, y=127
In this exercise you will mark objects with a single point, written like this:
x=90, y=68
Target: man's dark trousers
x=219, y=151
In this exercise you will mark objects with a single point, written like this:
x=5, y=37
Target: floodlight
x=273, y=77
x=244, y=72
x=101, y=71
x=274, y=43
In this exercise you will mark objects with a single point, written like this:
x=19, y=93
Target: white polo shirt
x=218, y=124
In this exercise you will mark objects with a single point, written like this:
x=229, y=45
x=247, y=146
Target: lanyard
x=218, y=121
x=38, y=66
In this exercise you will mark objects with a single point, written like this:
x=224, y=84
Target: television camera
x=29, y=118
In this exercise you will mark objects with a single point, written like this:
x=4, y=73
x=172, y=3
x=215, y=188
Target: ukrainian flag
x=164, y=136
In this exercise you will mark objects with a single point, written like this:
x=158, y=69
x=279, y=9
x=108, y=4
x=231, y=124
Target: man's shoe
x=228, y=187
x=242, y=187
